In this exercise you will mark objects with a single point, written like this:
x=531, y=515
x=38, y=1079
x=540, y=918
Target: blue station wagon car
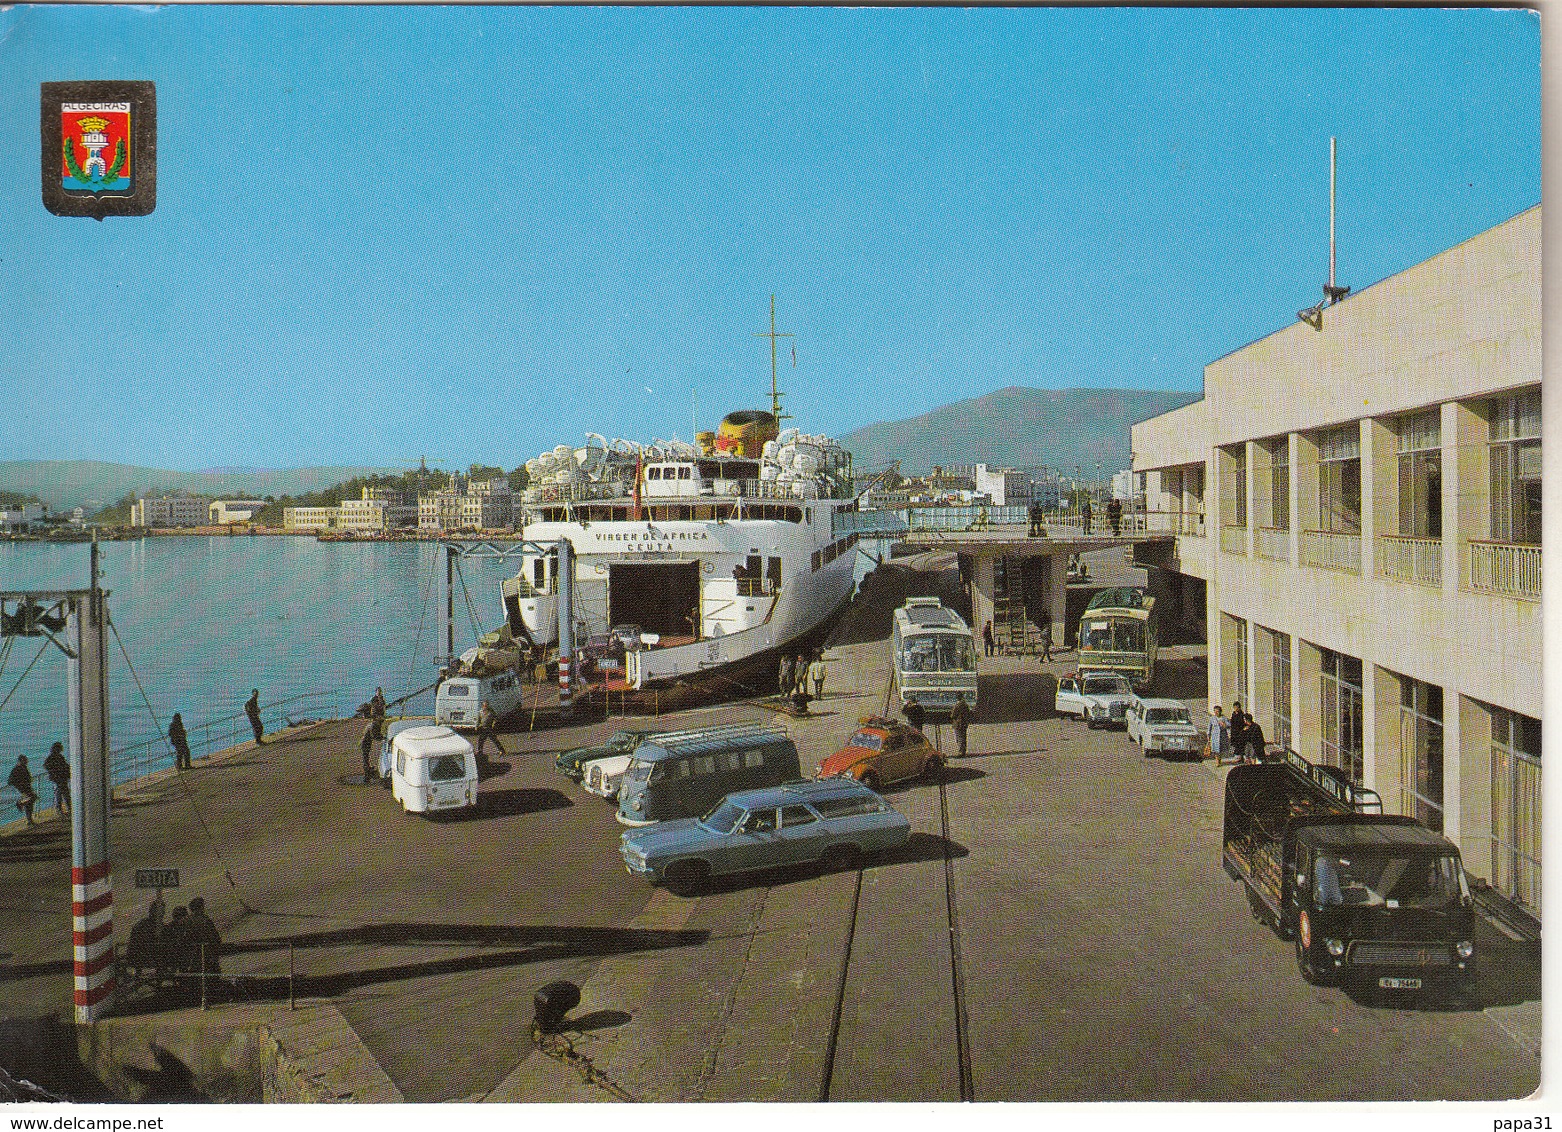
x=836, y=821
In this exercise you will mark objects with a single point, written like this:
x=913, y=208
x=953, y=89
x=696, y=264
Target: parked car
x=1098, y=698
x=833, y=820
x=572, y=762
x=882, y=751
x=1163, y=725
x=681, y=774
x=603, y=776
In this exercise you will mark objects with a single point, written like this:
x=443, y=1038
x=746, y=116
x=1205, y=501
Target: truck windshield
x=1388, y=880
x=722, y=817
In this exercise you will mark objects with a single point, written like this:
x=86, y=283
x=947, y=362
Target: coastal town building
x=169, y=511
x=1005, y=487
x=24, y=517
x=1357, y=520
x=315, y=519
x=468, y=506
x=225, y=511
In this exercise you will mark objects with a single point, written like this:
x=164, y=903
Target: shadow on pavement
x=1016, y=697
x=507, y=803
x=596, y=1020
x=41, y=844
x=524, y=945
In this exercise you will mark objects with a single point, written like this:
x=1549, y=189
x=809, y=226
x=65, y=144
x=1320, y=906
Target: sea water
x=199, y=621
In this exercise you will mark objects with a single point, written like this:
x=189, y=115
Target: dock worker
x=58, y=768
x=1084, y=514
x=487, y=731
x=960, y=719
x=914, y=714
x=800, y=673
x=816, y=673
x=252, y=709
x=784, y=681
x=377, y=712
x=201, y=941
x=1114, y=516
x=21, y=780
x=987, y=638
x=1046, y=642
x=179, y=741
x=371, y=734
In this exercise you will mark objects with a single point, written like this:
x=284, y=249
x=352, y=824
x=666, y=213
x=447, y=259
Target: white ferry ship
x=723, y=552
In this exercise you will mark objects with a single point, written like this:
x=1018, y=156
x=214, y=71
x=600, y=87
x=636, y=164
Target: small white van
x=431, y=769
x=461, y=698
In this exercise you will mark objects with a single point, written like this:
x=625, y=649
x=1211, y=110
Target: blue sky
x=474, y=233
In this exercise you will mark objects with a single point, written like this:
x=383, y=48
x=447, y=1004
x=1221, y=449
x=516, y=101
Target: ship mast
x=775, y=395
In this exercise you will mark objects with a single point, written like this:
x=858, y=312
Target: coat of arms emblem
x=100, y=148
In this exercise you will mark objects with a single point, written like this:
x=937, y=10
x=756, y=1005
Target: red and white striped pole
x=565, y=585
x=92, y=882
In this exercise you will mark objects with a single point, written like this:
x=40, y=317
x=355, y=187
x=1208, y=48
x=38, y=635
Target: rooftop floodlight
x=1312, y=316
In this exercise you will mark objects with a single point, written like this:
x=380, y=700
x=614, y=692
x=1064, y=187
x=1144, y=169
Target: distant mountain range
x=1016, y=426
x=1060, y=428
x=93, y=484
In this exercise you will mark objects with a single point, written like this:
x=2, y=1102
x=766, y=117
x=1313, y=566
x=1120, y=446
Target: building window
x=1421, y=751
x=1279, y=484
x=1339, y=481
x=1280, y=682
x=1515, y=806
x=1420, y=475
x=1515, y=469
x=1341, y=711
x=1236, y=485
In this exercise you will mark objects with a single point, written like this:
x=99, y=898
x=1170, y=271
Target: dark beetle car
x=573, y=760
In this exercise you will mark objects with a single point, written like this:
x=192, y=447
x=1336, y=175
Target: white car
x=1098, y=698
x=602, y=776
x=1163, y=725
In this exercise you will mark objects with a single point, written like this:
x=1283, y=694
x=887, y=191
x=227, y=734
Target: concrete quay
x=1103, y=954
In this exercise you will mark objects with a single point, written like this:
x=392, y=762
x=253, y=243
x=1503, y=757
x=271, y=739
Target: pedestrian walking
x=179, y=741
x=987, y=638
x=58, y=768
x=1218, y=725
x=252, y=709
x=1084, y=514
x=1114, y=515
x=816, y=673
x=960, y=719
x=914, y=714
x=371, y=735
x=1253, y=737
x=377, y=712
x=1046, y=642
x=1237, y=732
x=21, y=780
x=487, y=731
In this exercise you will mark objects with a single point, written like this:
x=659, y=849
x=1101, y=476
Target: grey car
x=836, y=821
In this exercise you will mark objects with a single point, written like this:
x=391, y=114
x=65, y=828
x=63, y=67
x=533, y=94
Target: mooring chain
x=561, y=1049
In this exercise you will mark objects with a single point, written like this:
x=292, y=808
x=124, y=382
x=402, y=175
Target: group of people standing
x=959, y=718
x=795, y=673
x=1240, y=735
x=57, y=768
x=186, y=944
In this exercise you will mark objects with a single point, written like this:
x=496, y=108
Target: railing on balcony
x=1333, y=550
x=1273, y=542
x=1408, y=559
x=1233, y=540
x=1511, y=569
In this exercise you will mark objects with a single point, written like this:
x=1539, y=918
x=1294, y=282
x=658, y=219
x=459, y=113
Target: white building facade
x=1360, y=507
x=21, y=518
x=225, y=511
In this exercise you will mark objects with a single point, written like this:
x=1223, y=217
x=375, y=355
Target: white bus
x=935, y=655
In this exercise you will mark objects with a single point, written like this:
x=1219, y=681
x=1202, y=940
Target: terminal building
x=1356, y=509
x=169, y=511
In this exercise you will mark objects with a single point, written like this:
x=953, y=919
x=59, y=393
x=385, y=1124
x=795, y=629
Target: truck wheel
x=1308, y=971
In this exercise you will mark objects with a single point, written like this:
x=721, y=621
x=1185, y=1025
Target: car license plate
x=1399, y=984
